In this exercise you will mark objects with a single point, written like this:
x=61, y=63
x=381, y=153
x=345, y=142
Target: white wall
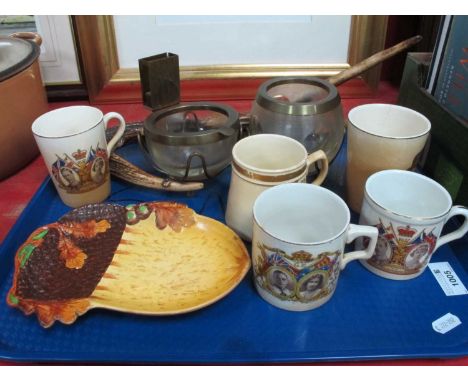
x=58, y=60
x=211, y=40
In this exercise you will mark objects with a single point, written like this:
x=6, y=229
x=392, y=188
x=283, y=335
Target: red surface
x=216, y=90
x=17, y=190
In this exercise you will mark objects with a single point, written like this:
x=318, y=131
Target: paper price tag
x=447, y=279
x=446, y=323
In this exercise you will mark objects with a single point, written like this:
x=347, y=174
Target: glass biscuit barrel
x=307, y=109
x=191, y=141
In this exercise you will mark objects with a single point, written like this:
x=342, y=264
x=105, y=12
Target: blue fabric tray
x=367, y=318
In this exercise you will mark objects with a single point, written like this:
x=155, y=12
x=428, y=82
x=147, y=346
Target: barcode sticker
x=446, y=323
x=447, y=279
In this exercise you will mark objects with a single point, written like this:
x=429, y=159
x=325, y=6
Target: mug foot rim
x=289, y=305
x=389, y=276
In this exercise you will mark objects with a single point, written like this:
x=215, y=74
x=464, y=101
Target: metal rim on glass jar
x=279, y=105
x=231, y=126
x=212, y=145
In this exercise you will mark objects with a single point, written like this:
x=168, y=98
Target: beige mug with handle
x=260, y=162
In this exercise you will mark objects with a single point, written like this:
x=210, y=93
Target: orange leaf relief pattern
x=88, y=229
x=73, y=256
x=48, y=312
x=175, y=215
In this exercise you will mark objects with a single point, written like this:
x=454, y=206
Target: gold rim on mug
x=60, y=110
x=417, y=218
x=425, y=132
x=268, y=178
x=314, y=243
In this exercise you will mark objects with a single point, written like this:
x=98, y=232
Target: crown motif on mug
x=406, y=232
x=302, y=256
x=79, y=154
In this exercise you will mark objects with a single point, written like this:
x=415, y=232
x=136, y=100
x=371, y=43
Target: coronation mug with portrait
x=72, y=141
x=299, y=237
x=409, y=210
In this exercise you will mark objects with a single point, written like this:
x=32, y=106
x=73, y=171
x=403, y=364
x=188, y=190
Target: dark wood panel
x=57, y=93
x=401, y=27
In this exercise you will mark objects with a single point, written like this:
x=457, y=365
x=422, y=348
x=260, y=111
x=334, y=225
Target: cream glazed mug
x=300, y=232
x=262, y=161
x=409, y=210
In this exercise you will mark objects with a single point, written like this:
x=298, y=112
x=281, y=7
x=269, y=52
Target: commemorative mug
x=409, y=210
x=381, y=137
x=263, y=161
x=72, y=141
x=299, y=236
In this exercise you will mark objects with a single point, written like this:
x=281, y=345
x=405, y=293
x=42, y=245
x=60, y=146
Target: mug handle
x=458, y=233
x=319, y=155
x=354, y=232
x=35, y=37
x=118, y=134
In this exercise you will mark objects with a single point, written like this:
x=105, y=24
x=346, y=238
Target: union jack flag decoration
x=101, y=152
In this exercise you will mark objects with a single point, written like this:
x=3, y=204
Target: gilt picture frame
x=96, y=43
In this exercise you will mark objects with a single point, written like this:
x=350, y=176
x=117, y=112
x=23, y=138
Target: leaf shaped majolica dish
x=158, y=258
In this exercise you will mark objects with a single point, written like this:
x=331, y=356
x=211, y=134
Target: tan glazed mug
x=72, y=141
x=260, y=162
x=381, y=137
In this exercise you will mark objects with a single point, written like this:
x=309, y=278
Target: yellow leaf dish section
x=160, y=271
